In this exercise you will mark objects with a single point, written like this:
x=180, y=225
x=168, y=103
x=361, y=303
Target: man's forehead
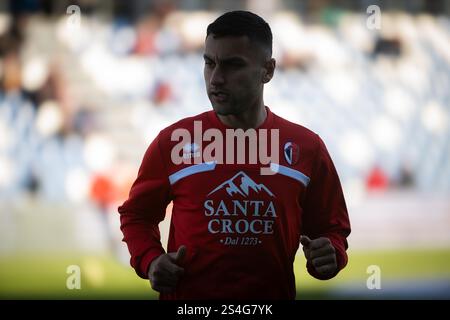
x=228, y=46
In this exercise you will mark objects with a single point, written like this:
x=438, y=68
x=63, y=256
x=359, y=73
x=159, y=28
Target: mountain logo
x=241, y=184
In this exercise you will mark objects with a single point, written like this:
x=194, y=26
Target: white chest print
x=246, y=213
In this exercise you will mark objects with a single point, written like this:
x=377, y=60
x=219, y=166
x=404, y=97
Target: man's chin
x=223, y=110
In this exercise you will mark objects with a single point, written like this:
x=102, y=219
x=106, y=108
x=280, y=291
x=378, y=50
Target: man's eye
x=235, y=64
x=209, y=63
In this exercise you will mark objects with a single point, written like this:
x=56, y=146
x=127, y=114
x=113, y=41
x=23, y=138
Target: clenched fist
x=321, y=254
x=165, y=271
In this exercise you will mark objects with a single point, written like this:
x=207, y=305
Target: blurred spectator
x=163, y=93
x=146, y=34
x=103, y=192
x=406, y=177
x=390, y=47
x=377, y=180
x=149, y=26
x=12, y=81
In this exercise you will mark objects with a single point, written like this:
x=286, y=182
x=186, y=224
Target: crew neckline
x=267, y=124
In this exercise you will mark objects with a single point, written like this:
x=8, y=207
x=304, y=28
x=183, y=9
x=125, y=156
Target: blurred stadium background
x=81, y=97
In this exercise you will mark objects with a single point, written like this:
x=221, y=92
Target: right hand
x=165, y=271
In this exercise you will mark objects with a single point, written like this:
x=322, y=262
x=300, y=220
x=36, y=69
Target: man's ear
x=269, y=69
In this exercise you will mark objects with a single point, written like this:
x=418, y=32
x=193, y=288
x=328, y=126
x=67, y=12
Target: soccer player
x=238, y=215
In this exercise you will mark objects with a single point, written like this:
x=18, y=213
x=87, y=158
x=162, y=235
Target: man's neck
x=252, y=118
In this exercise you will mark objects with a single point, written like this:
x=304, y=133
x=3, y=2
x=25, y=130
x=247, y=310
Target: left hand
x=321, y=254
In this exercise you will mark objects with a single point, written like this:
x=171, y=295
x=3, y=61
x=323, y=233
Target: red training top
x=241, y=228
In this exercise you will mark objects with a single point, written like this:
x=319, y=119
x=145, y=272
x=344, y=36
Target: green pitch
x=102, y=277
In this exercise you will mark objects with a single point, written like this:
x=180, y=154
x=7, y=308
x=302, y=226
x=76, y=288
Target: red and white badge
x=291, y=153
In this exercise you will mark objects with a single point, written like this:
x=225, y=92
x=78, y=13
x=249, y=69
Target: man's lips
x=219, y=95
x=218, y=92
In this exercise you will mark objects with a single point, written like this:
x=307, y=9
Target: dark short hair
x=242, y=23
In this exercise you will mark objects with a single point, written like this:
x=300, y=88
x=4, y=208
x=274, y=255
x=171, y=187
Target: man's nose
x=217, y=77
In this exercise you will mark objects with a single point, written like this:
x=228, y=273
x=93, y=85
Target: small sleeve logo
x=291, y=153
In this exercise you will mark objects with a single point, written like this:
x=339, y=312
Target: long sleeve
x=325, y=211
x=145, y=209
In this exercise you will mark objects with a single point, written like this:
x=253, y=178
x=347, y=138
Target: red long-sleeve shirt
x=241, y=228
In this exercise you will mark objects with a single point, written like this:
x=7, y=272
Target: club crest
x=291, y=153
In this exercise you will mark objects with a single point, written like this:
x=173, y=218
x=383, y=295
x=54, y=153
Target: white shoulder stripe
x=294, y=174
x=196, y=168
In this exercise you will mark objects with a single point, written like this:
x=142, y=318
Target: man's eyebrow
x=226, y=60
x=207, y=57
x=234, y=59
